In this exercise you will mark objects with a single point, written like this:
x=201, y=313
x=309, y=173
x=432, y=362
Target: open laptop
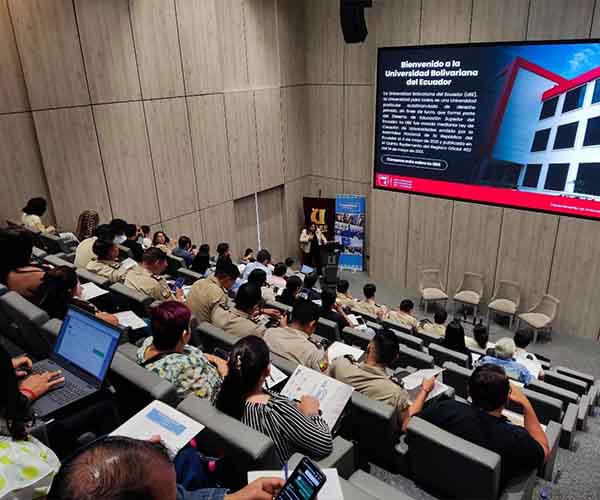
x=83, y=352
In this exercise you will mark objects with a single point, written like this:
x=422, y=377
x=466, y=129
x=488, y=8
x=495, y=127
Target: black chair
x=328, y=329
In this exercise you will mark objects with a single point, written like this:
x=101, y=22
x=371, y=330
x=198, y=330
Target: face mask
x=120, y=239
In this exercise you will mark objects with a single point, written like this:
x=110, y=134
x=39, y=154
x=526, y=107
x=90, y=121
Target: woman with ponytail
x=293, y=427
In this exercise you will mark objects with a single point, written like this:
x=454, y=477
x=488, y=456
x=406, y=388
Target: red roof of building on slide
x=571, y=84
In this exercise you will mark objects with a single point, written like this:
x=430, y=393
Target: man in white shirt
x=522, y=339
x=263, y=259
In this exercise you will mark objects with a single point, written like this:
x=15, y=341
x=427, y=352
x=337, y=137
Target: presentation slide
x=513, y=124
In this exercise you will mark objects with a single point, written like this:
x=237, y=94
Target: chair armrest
x=129, y=351
x=583, y=412
x=341, y=458
x=51, y=329
x=520, y=488
x=593, y=397
x=546, y=470
x=569, y=424
x=374, y=487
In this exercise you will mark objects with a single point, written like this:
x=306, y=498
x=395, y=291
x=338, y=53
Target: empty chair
x=564, y=395
x=441, y=355
x=470, y=291
x=409, y=340
x=328, y=329
x=540, y=318
x=588, y=379
x=359, y=338
x=431, y=288
x=572, y=384
x=416, y=359
x=505, y=301
x=457, y=377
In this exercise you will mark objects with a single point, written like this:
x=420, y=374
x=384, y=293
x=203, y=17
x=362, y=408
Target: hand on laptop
x=219, y=363
x=38, y=384
x=22, y=366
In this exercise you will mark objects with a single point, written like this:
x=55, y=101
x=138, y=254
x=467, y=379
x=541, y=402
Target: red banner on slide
x=486, y=194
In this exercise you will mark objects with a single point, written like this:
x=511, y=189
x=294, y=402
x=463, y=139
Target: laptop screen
x=87, y=343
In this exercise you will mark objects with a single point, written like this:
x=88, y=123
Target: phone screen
x=179, y=282
x=304, y=483
x=360, y=320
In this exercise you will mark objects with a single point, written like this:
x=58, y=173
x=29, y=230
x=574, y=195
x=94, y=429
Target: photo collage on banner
x=350, y=230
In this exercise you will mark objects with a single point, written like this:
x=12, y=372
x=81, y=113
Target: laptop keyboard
x=64, y=393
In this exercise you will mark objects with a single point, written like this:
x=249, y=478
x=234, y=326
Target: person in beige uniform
x=293, y=342
x=84, y=252
x=105, y=263
x=146, y=277
x=368, y=305
x=343, y=297
x=371, y=379
x=206, y=293
x=404, y=314
x=238, y=320
x=438, y=327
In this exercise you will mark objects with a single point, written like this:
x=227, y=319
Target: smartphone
x=179, y=282
x=304, y=483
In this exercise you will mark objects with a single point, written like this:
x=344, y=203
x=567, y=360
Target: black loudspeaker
x=352, y=18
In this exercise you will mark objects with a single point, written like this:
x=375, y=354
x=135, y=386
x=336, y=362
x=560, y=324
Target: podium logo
x=317, y=216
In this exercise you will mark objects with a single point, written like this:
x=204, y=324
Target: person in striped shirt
x=293, y=426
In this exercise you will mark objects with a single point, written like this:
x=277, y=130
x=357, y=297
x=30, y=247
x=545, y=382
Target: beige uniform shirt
x=366, y=307
x=344, y=300
x=164, y=248
x=403, y=318
x=204, y=295
x=434, y=329
x=84, y=253
x=107, y=269
x=142, y=280
x=370, y=381
x=294, y=345
x=235, y=322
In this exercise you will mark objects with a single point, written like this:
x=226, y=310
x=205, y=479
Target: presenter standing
x=311, y=240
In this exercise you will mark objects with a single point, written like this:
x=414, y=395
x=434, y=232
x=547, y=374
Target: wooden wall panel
x=397, y=22
x=270, y=210
x=107, y=44
x=325, y=115
x=246, y=232
x=209, y=141
x=157, y=47
x=72, y=164
x=293, y=192
x=20, y=167
x=171, y=147
x=243, y=148
x=595, y=31
x=230, y=17
x=218, y=224
x=359, y=109
x=291, y=35
x=360, y=59
x=13, y=94
x=428, y=238
x=446, y=21
x=294, y=105
x=324, y=187
x=270, y=144
x=260, y=23
x=47, y=38
x=200, y=45
x=574, y=279
x=525, y=255
x=324, y=42
x=127, y=161
x=474, y=244
x=187, y=225
x=550, y=19
x=497, y=21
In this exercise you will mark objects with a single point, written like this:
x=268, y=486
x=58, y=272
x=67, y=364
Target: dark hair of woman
x=35, y=206
x=14, y=407
x=248, y=360
x=155, y=238
x=56, y=291
x=16, y=251
x=455, y=340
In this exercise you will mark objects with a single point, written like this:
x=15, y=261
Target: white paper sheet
x=412, y=383
x=517, y=418
x=274, y=378
x=174, y=428
x=532, y=366
x=90, y=291
x=332, y=394
x=130, y=319
x=332, y=489
x=339, y=349
x=128, y=263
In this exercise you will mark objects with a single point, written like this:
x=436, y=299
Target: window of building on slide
x=574, y=99
x=565, y=136
x=549, y=108
x=592, y=132
x=588, y=179
x=596, y=94
x=532, y=175
x=540, y=140
x=557, y=176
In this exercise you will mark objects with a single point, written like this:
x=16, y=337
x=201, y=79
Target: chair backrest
x=359, y=338
x=457, y=377
x=509, y=290
x=430, y=278
x=366, y=316
x=128, y=350
x=427, y=338
x=450, y=466
x=548, y=306
x=409, y=340
x=284, y=308
x=569, y=383
x=244, y=448
x=129, y=299
x=213, y=337
x=285, y=365
x=547, y=408
x=174, y=263
x=416, y=359
x=472, y=282
x=50, y=243
x=556, y=392
x=394, y=325
x=441, y=355
x=124, y=252
x=588, y=379
x=190, y=276
x=57, y=261
x=38, y=254
x=86, y=276
x=328, y=329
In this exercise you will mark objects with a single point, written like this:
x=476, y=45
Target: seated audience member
x=289, y=296
x=161, y=241
x=371, y=379
x=332, y=311
x=201, y=262
x=263, y=259
x=368, y=305
x=248, y=256
x=224, y=252
x=309, y=292
x=146, y=277
x=343, y=296
x=144, y=238
x=106, y=261
x=277, y=279
x=32, y=216
x=168, y=354
x=480, y=338
x=289, y=271
x=503, y=355
x=454, y=339
x=184, y=250
x=438, y=327
x=293, y=341
x=522, y=339
x=96, y=472
x=239, y=320
x=293, y=427
x=404, y=314
x=137, y=250
x=119, y=226
x=521, y=449
x=205, y=294
x=84, y=252
x=259, y=278
x=16, y=270
x=59, y=289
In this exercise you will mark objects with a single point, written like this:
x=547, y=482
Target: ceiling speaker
x=352, y=18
